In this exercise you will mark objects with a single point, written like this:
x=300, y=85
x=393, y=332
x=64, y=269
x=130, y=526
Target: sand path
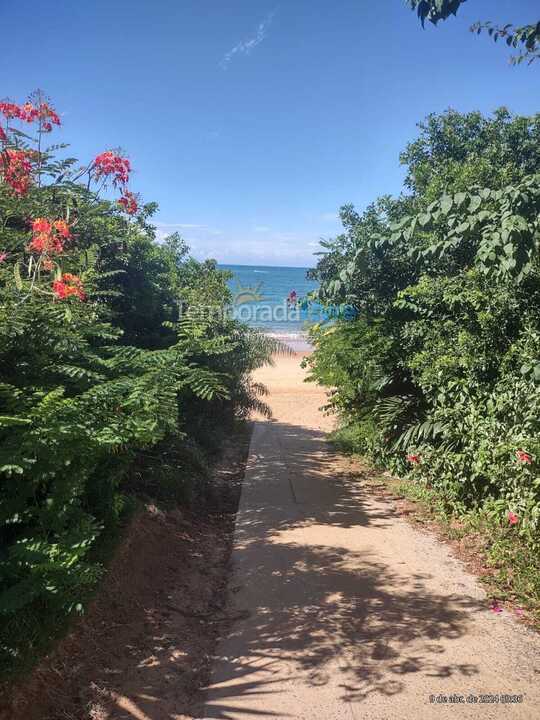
x=347, y=611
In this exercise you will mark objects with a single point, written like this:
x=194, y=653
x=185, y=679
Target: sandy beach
x=291, y=397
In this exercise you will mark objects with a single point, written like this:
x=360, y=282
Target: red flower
x=128, y=202
x=524, y=457
x=45, y=112
x=69, y=285
x=41, y=225
x=512, y=518
x=29, y=113
x=10, y=110
x=39, y=243
x=109, y=164
x=60, y=289
x=3, y=136
x=16, y=169
x=413, y=459
x=49, y=235
x=62, y=228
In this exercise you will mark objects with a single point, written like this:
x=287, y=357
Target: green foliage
x=457, y=150
x=442, y=363
x=435, y=10
x=92, y=381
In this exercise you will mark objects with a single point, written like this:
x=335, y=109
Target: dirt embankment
x=143, y=649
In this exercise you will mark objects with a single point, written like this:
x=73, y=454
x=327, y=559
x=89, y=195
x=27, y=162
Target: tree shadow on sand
x=324, y=605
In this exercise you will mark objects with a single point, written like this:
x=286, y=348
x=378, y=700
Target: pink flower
x=495, y=607
x=519, y=611
x=3, y=256
x=512, y=518
x=524, y=457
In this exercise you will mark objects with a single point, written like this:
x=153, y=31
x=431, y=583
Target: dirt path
x=144, y=647
x=336, y=607
x=346, y=610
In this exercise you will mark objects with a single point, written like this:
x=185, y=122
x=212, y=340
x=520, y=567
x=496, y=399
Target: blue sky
x=251, y=122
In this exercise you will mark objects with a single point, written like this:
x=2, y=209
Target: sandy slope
x=348, y=611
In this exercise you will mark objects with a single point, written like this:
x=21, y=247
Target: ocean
x=260, y=299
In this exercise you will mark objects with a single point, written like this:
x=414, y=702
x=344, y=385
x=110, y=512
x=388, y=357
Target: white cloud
x=330, y=217
x=179, y=225
x=164, y=229
x=244, y=246
x=246, y=46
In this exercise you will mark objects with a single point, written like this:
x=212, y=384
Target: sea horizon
x=261, y=302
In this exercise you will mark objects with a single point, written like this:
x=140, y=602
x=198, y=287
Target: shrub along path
x=346, y=610
x=143, y=648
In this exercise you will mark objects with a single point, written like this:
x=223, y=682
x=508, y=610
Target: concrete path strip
x=348, y=611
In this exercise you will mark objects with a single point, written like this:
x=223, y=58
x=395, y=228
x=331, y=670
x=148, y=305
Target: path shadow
x=354, y=610
x=325, y=490
x=314, y=606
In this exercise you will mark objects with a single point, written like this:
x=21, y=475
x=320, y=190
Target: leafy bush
x=439, y=375
x=100, y=360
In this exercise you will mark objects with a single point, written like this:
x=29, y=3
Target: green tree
x=446, y=282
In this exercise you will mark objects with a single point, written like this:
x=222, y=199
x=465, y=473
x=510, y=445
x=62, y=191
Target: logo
x=247, y=294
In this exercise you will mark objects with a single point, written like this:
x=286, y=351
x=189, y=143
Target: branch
x=526, y=38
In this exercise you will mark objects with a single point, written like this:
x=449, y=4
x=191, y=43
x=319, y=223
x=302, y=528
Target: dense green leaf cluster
x=442, y=363
x=87, y=385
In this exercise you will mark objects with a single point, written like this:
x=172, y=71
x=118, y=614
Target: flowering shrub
x=95, y=365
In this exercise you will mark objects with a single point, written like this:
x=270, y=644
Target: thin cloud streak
x=246, y=46
x=330, y=217
x=179, y=225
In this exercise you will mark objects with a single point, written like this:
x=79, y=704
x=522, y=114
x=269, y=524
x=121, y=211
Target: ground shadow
x=324, y=604
x=308, y=604
x=310, y=460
